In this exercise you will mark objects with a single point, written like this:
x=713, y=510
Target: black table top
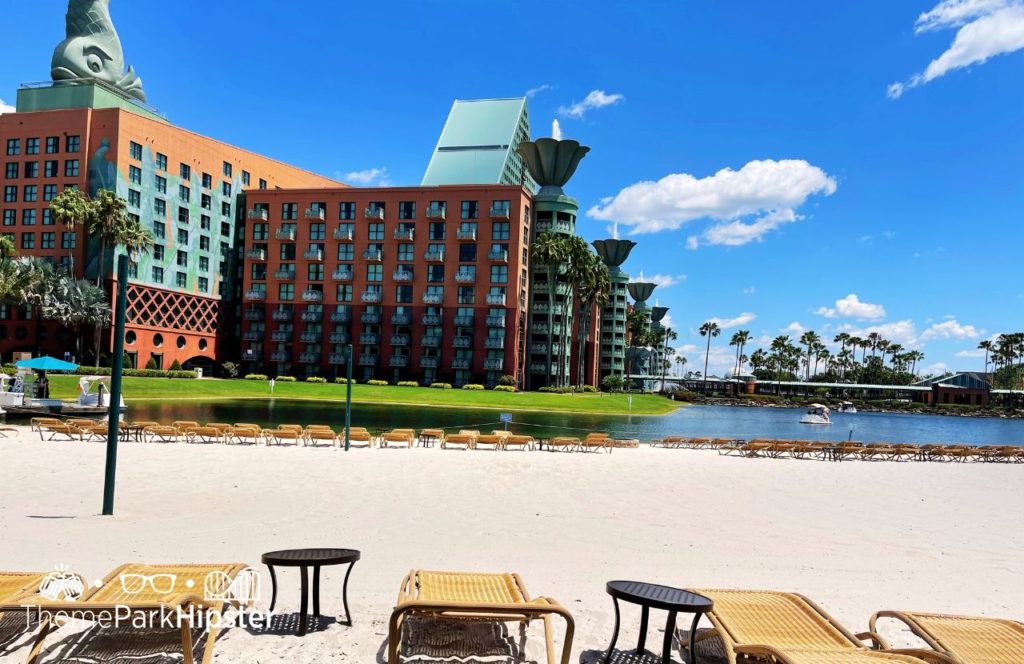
x=303, y=557
x=659, y=597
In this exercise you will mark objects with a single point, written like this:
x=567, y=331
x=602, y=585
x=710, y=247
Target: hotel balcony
x=337, y=358
x=399, y=339
x=373, y=255
x=309, y=358
x=498, y=256
x=436, y=212
x=499, y=212
x=538, y=367
x=401, y=319
x=341, y=316
x=462, y=342
x=434, y=256
x=284, y=275
x=429, y=362
x=258, y=214
x=371, y=297
x=314, y=255
x=369, y=339
x=367, y=360
x=253, y=335
x=542, y=349
x=314, y=214
x=282, y=315
x=339, y=337
x=556, y=226
x=464, y=321
x=285, y=234
x=401, y=275
x=408, y=234
x=255, y=314
x=345, y=235
x=374, y=213
x=281, y=336
x=280, y=356
x=433, y=298
x=398, y=361
x=543, y=328
x=432, y=319
x=312, y=316
x=312, y=296
x=494, y=343
x=310, y=337
x=461, y=362
x=253, y=294
x=430, y=341
x=497, y=299
x=341, y=275
x=494, y=364
x=256, y=254
x=370, y=318
x=495, y=321
x=540, y=308
x=465, y=277
x=468, y=235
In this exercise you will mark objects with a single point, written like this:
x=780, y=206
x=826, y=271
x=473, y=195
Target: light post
x=348, y=396
x=117, y=367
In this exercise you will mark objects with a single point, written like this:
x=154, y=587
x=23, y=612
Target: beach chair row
x=747, y=625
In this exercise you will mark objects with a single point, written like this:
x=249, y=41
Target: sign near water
x=506, y=418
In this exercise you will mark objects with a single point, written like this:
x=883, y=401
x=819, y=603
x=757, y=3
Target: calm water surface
x=719, y=421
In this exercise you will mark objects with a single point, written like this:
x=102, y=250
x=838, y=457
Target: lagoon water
x=716, y=421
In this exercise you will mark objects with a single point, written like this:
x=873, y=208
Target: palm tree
x=809, y=339
x=739, y=339
x=986, y=346
x=7, y=248
x=780, y=348
x=710, y=330
x=680, y=364
x=549, y=250
x=758, y=359
x=76, y=304
x=669, y=335
x=108, y=221
x=70, y=209
x=593, y=286
x=874, y=340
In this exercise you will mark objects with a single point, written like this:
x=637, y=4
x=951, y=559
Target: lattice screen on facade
x=179, y=311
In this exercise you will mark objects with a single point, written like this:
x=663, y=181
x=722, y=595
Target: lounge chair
x=475, y=597
x=786, y=628
x=969, y=640
x=315, y=435
x=905, y=452
x=596, y=442
x=489, y=442
x=283, y=436
x=95, y=433
x=401, y=439
x=520, y=442
x=877, y=452
x=781, y=448
x=36, y=422
x=185, y=424
x=431, y=436
x=245, y=435
x=206, y=435
x=1008, y=454
x=59, y=431
x=162, y=434
x=357, y=437
x=625, y=443
x=7, y=430
x=82, y=423
x=202, y=588
x=669, y=442
x=458, y=441
x=752, y=448
x=563, y=444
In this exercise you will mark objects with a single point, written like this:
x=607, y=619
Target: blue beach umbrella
x=46, y=364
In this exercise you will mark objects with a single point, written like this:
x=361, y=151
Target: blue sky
x=817, y=165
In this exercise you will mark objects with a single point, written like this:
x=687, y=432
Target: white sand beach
x=856, y=537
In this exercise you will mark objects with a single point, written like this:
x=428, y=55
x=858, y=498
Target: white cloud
x=936, y=369
x=533, y=92
x=758, y=198
x=556, y=130
x=794, y=328
x=976, y=352
x=750, y=290
x=596, y=99
x=368, y=178
x=951, y=329
x=666, y=280
x=987, y=28
x=692, y=242
x=667, y=322
x=6, y=108
x=852, y=307
x=742, y=319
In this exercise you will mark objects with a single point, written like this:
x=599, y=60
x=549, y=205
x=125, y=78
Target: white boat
x=817, y=414
x=847, y=407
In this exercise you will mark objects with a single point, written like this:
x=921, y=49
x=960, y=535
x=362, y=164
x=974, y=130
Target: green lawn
x=152, y=389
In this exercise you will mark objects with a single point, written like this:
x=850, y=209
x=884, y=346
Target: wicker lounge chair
x=626, y=443
x=206, y=435
x=490, y=442
x=245, y=435
x=283, y=436
x=397, y=438
x=95, y=433
x=596, y=442
x=753, y=448
x=458, y=441
x=36, y=422
x=786, y=628
x=317, y=435
x=161, y=434
x=563, y=444
x=112, y=595
x=59, y=431
x=520, y=442
x=358, y=437
x=475, y=597
x=969, y=640
x=1008, y=454
x=669, y=442
x=184, y=424
x=877, y=452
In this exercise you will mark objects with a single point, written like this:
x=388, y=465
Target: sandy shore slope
x=856, y=537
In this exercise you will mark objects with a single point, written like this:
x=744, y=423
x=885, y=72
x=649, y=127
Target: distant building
x=965, y=388
x=478, y=144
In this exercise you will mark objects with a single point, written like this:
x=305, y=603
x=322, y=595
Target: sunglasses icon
x=133, y=584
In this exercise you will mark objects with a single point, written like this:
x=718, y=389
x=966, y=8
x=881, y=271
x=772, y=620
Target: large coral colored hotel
x=428, y=283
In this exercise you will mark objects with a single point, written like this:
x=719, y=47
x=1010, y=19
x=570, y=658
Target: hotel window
x=74, y=143
x=470, y=209
x=49, y=192
x=375, y=272
x=135, y=151
x=71, y=168
x=346, y=211
x=289, y=211
x=68, y=240
x=403, y=294
x=158, y=275
x=180, y=279
x=182, y=236
x=246, y=178
x=182, y=259
x=225, y=209
x=183, y=216
x=158, y=252
x=47, y=217
x=344, y=293
x=11, y=194
x=184, y=193
x=53, y=145
x=31, y=146
x=204, y=243
x=161, y=161
x=204, y=222
x=159, y=230
x=161, y=184
x=160, y=207
x=407, y=210
x=13, y=147
x=11, y=172
x=347, y=230
x=204, y=264
x=207, y=180
x=133, y=269
x=206, y=202
x=315, y=272
x=10, y=217
x=28, y=240
x=467, y=253
x=375, y=232
x=227, y=169
x=346, y=252
x=499, y=274
x=204, y=284
x=185, y=172
x=31, y=169
x=286, y=292
x=259, y=271
x=287, y=252
x=261, y=231
x=135, y=175
x=318, y=231
x=435, y=274
x=48, y=241
x=28, y=217
x=407, y=252
x=376, y=206
x=50, y=169
x=500, y=230
x=225, y=188
x=436, y=231
x=467, y=295
x=31, y=193
x=263, y=183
